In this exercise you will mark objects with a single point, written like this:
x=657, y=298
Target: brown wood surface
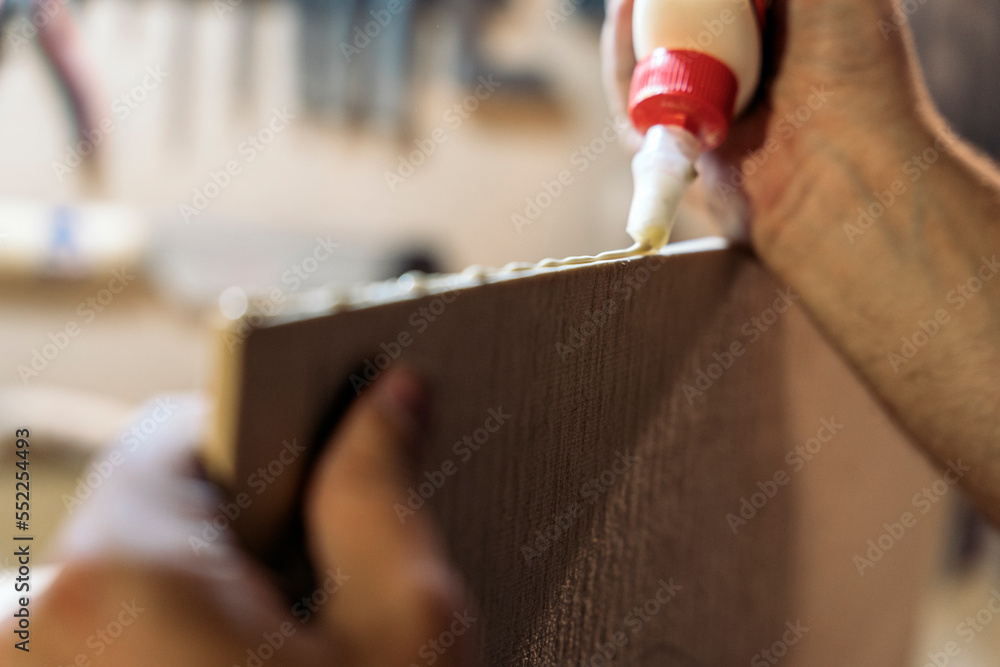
x=656, y=322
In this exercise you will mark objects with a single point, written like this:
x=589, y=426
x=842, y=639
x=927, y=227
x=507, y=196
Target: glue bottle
x=698, y=67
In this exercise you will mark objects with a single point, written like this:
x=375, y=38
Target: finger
x=399, y=594
x=617, y=55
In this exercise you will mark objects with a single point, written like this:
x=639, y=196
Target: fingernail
x=405, y=394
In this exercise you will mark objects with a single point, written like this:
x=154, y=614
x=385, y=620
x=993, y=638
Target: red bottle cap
x=686, y=89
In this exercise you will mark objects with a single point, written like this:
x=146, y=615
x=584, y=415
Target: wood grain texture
x=564, y=546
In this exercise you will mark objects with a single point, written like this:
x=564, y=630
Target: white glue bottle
x=698, y=66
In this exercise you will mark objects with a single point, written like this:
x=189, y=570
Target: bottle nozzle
x=662, y=170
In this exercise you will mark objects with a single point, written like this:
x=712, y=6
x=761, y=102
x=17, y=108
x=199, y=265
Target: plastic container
x=698, y=67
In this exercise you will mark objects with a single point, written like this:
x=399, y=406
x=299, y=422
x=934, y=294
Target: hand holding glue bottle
x=698, y=66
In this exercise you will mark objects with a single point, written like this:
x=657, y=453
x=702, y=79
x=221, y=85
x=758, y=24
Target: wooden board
x=643, y=399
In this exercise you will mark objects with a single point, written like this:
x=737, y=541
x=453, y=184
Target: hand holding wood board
x=655, y=460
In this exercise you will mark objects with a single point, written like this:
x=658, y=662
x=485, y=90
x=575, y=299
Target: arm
x=852, y=191
x=888, y=227
x=894, y=252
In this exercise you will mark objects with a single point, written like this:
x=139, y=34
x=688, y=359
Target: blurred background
x=156, y=154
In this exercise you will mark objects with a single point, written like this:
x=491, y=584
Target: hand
x=133, y=591
x=857, y=197
x=837, y=80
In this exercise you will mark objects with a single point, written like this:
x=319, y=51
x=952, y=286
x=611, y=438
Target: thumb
x=617, y=55
x=399, y=598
